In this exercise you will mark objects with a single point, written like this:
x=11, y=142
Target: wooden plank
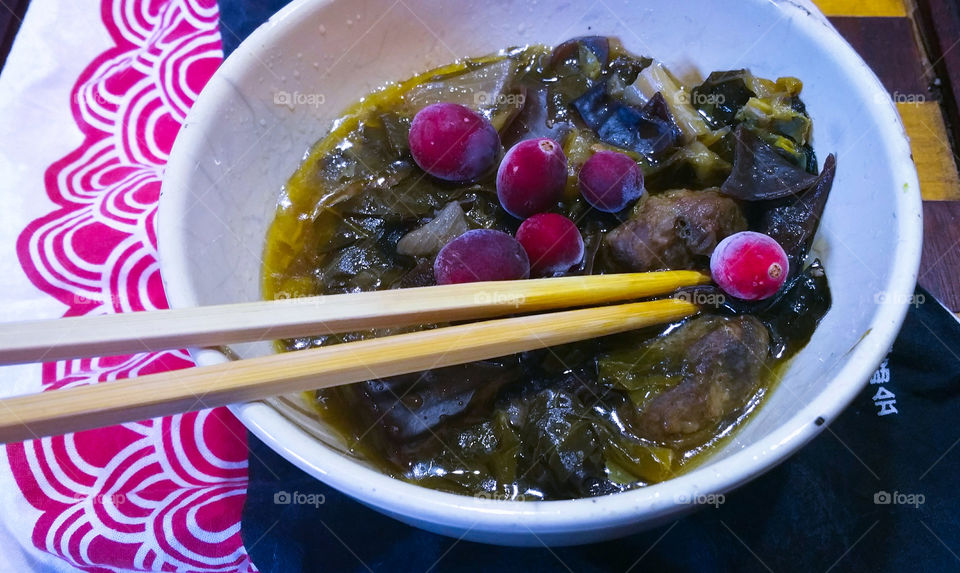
x=939, y=25
x=903, y=76
x=940, y=264
x=889, y=47
x=862, y=8
x=932, y=153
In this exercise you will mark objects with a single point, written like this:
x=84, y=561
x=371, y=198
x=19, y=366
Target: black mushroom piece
x=761, y=172
x=599, y=45
x=674, y=230
x=724, y=360
x=595, y=106
x=792, y=315
x=796, y=314
x=650, y=130
x=795, y=223
x=721, y=95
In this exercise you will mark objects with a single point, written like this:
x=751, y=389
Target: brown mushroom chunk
x=674, y=230
x=724, y=363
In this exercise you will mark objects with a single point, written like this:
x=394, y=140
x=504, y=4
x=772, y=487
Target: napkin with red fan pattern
x=91, y=99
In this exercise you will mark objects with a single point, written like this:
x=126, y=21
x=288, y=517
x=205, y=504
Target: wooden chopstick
x=75, y=409
x=129, y=333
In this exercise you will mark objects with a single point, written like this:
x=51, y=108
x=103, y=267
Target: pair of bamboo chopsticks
x=74, y=409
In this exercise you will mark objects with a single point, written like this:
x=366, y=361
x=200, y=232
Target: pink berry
x=453, y=142
x=481, y=255
x=749, y=265
x=610, y=181
x=552, y=242
x=531, y=177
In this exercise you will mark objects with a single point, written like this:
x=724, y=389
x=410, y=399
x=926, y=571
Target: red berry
x=481, y=255
x=531, y=177
x=749, y=265
x=453, y=142
x=610, y=181
x=552, y=242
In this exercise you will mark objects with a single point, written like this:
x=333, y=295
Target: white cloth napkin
x=57, y=39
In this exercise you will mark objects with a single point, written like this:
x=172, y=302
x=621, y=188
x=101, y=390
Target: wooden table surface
x=914, y=47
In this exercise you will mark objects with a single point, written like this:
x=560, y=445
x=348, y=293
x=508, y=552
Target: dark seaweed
x=561, y=450
x=404, y=413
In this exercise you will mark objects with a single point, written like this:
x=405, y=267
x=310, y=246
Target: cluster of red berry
x=454, y=143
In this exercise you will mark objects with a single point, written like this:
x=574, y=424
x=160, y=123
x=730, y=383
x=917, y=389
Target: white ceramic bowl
x=238, y=147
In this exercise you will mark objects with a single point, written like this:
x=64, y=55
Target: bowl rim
x=400, y=498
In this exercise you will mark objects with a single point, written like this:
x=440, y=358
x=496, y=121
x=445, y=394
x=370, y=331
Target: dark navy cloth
x=876, y=491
